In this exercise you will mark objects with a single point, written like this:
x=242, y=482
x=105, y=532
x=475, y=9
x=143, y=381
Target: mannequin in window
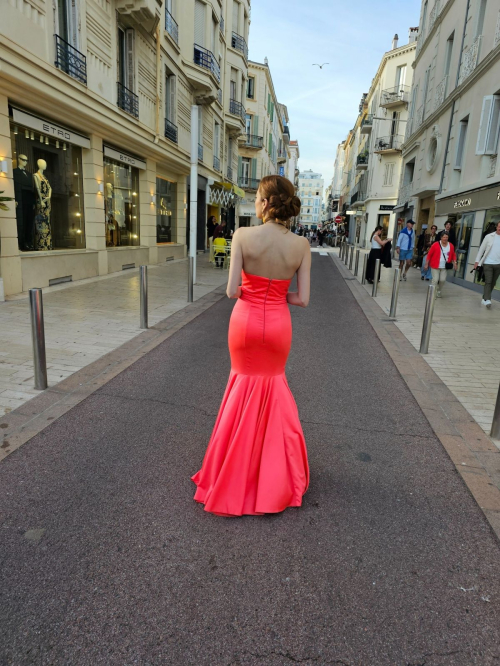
x=43, y=235
x=25, y=204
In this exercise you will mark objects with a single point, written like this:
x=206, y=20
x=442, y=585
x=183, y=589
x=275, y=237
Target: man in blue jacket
x=404, y=247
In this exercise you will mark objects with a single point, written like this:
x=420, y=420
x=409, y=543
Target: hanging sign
x=383, y=207
x=125, y=158
x=49, y=128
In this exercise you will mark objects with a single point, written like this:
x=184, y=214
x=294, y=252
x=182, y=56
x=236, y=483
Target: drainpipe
x=158, y=75
x=454, y=101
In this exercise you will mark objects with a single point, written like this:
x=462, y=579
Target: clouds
x=351, y=36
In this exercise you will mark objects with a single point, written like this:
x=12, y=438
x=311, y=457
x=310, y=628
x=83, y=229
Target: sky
x=351, y=35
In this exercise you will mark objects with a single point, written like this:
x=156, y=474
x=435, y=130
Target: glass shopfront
x=48, y=190
x=166, y=220
x=491, y=219
x=121, y=203
x=464, y=225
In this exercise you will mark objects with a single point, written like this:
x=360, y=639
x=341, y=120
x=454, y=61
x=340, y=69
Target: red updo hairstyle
x=283, y=203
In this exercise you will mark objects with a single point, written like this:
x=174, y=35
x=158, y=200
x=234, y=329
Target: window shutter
x=272, y=111
x=255, y=125
x=130, y=74
x=199, y=23
x=461, y=145
x=240, y=167
x=386, y=173
x=172, y=98
x=254, y=168
x=494, y=127
x=74, y=31
x=236, y=12
x=484, y=125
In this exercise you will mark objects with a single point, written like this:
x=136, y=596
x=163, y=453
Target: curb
x=474, y=455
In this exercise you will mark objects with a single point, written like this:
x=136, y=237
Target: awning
x=225, y=194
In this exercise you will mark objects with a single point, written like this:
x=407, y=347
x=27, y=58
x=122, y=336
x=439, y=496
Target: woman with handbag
x=441, y=258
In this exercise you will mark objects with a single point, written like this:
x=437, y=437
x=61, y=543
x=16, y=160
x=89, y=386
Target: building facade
x=451, y=171
x=311, y=186
x=95, y=131
x=375, y=146
x=264, y=148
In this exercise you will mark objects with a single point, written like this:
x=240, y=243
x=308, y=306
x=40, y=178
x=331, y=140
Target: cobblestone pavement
x=464, y=348
x=87, y=319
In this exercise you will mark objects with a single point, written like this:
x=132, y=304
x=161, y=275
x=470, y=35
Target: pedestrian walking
x=452, y=237
x=211, y=224
x=404, y=247
x=377, y=245
x=256, y=460
x=489, y=258
x=441, y=258
x=320, y=238
x=429, y=239
x=220, y=230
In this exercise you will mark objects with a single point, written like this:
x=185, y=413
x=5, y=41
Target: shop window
x=491, y=220
x=121, y=204
x=48, y=191
x=166, y=219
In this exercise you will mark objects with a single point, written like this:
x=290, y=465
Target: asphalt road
x=106, y=559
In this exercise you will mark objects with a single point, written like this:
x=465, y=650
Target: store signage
x=387, y=207
x=49, y=128
x=125, y=158
x=463, y=203
x=350, y=212
x=282, y=171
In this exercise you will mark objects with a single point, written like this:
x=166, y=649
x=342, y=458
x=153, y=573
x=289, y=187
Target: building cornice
x=432, y=32
x=401, y=50
x=485, y=64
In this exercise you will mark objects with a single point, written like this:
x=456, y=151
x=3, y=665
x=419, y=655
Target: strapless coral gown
x=256, y=460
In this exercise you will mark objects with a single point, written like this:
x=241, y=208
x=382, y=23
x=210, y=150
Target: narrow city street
x=106, y=558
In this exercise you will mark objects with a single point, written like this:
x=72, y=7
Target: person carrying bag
x=441, y=258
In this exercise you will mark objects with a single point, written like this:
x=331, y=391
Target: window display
x=121, y=204
x=166, y=227
x=491, y=219
x=48, y=187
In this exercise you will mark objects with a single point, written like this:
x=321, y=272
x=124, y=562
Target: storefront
x=48, y=184
x=166, y=208
x=473, y=215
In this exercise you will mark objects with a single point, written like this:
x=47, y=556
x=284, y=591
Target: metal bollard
x=429, y=311
x=341, y=251
x=191, y=280
x=365, y=263
x=38, y=337
x=356, y=263
x=395, y=293
x=143, y=271
x=375, y=277
x=346, y=255
x=495, y=426
x=351, y=257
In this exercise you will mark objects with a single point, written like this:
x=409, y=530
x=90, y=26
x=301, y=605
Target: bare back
x=272, y=251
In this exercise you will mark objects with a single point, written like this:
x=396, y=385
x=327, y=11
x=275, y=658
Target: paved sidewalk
x=87, y=319
x=108, y=560
x=464, y=349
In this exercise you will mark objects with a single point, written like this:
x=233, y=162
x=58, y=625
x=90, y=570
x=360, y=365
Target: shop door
x=463, y=231
x=383, y=221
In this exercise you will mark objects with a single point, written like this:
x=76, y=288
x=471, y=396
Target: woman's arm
x=233, y=289
x=301, y=298
x=430, y=255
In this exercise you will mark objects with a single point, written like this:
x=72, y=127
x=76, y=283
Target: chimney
x=395, y=42
x=266, y=61
x=412, y=37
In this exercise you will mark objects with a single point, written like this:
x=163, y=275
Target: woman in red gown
x=256, y=460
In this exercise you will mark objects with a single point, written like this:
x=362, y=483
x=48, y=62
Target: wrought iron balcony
x=128, y=100
x=362, y=162
x=216, y=163
x=238, y=43
x=389, y=144
x=286, y=134
x=392, y=97
x=229, y=173
x=253, y=141
x=170, y=131
x=200, y=152
x=70, y=61
x=367, y=124
x=236, y=108
x=248, y=183
x=171, y=26
x=205, y=58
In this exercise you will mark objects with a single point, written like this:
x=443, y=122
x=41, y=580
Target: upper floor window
x=489, y=128
x=126, y=60
x=251, y=87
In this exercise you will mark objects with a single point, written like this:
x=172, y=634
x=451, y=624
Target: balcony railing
x=200, y=152
x=127, y=100
x=236, y=108
x=395, y=96
x=170, y=131
x=70, y=61
x=238, y=43
x=362, y=161
x=286, y=134
x=205, y=58
x=253, y=141
x=171, y=26
x=367, y=124
x=248, y=183
x=389, y=144
x=216, y=163
x=229, y=173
